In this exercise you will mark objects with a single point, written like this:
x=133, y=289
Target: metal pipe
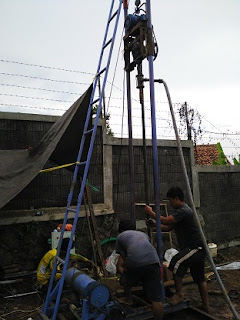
x=60, y=260
x=97, y=293
x=21, y=294
x=193, y=206
x=130, y=138
x=155, y=151
x=140, y=86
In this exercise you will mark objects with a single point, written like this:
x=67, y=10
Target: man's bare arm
x=121, y=263
x=169, y=221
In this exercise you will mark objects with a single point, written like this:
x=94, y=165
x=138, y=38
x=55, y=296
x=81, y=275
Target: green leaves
x=222, y=160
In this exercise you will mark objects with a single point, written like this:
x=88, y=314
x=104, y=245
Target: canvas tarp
x=60, y=144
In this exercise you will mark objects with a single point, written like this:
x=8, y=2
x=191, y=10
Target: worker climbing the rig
x=192, y=253
x=138, y=262
x=45, y=266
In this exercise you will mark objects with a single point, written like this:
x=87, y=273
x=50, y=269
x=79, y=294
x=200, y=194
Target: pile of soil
x=27, y=306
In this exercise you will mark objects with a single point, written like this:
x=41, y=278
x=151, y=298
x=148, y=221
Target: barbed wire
x=38, y=88
x=33, y=98
x=39, y=78
x=208, y=135
x=46, y=67
x=31, y=107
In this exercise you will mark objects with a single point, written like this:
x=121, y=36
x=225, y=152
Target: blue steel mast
x=154, y=140
x=139, y=42
x=130, y=140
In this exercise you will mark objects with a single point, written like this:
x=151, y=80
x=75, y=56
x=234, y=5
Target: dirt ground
x=27, y=307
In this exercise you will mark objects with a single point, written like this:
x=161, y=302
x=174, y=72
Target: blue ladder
x=90, y=134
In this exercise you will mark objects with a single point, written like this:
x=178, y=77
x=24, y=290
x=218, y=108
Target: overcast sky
x=198, y=40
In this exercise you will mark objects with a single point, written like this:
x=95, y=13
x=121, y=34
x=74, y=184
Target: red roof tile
x=205, y=154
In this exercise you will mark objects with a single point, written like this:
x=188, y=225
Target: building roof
x=205, y=154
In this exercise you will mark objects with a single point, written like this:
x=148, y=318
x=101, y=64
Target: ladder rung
x=88, y=131
x=71, y=210
x=114, y=15
x=60, y=260
x=107, y=43
x=81, y=163
x=99, y=73
x=95, y=101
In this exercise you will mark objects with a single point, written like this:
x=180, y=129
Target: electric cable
x=45, y=67
x=41, y=89
x=39, y=78
x=114, y=74
x=34, y=98
x=30, y=107
x=221, y=132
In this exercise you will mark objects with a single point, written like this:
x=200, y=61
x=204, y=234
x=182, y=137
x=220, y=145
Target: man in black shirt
x=192, y=253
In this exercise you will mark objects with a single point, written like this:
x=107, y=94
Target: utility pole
x=189, y=131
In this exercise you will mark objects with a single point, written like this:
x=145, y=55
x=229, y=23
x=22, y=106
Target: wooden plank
x=74, y=309
x=95, y=230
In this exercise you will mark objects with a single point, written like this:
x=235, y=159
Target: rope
x=65, y=166
x=58, y=167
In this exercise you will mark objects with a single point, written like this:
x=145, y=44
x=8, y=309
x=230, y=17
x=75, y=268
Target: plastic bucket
x=213, y=249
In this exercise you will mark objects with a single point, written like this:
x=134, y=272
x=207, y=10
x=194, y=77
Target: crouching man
x=46, y=264
x=139, y=261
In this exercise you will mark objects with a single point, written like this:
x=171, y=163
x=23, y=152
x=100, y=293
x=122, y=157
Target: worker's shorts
x=189, y=258
x=149, y=276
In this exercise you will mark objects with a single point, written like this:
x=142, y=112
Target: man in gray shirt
x=139, y=262
x=192, y=253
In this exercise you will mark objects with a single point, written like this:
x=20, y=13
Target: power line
x=220, y=132
x=38, y=78
x=72, y=93
x=64, y=81
x=42, y=89
x=223, y=133
x=45, y=67
x=34, y=98
x=226, y=135
x=24, y=106
x=54, y=68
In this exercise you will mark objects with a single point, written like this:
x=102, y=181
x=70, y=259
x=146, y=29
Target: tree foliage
x=193, y=120
x=222, y=160
x=109, y=131
x=236, y=162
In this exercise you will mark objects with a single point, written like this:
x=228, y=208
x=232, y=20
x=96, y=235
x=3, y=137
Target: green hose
x=106, y=241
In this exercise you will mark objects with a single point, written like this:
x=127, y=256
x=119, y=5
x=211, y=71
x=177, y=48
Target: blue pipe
x=98, y=294
x=155, y=151
x=130, y=138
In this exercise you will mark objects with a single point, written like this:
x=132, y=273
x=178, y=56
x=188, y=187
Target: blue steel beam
x=154, y=148
x=130, y=136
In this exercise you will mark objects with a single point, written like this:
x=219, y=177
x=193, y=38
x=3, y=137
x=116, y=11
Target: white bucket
x=213, y=249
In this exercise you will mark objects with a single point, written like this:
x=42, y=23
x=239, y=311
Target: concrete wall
x=170, y=172
x=220, y=203
x=19, y=131
x=215, y=188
